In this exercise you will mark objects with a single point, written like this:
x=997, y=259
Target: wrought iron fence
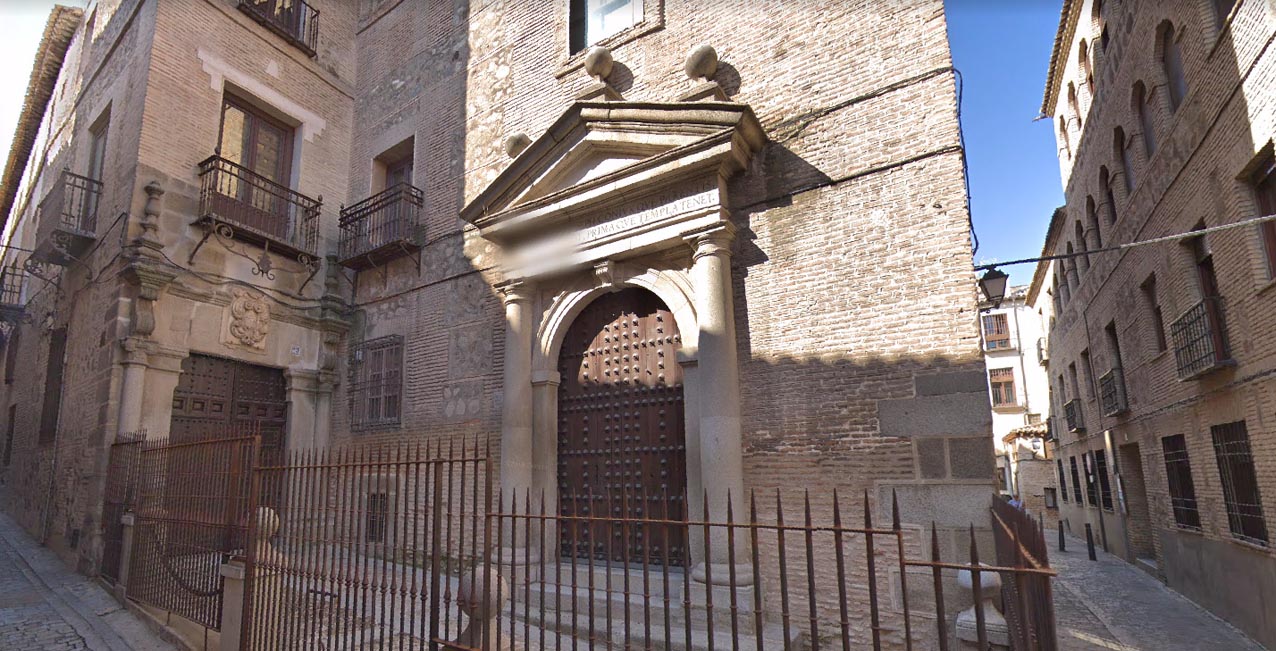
x=256, y=208
x=120, y=498
x=416, y=547
x=1072, y=414
x=71, y=204
x=1027, y=596
x=294, y=20
x=191, y=516
x=389, y=219
x=1112, y=395
x=1199, y=341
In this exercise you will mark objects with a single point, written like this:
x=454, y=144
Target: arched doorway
x=621, y=437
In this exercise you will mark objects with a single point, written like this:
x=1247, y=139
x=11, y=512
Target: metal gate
x=191, y=516
x=620, y=425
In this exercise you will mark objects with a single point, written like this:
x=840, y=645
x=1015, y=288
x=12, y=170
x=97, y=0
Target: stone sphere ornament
x=598, y=62
x=515, y=144
x=702, y=63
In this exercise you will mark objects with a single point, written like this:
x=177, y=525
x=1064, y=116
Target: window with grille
x=1091, y=483
x=376, y=383
x=1101, y=471
x=1178, y=474
x=375, y=517
x=1240, y=482
x=1264, y=182
x=996, y=332
x=1063, y=481
x=1002, y=381
x=1076, y=482
x=52, y=406
x=1172, y=61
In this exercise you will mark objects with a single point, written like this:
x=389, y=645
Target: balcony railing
x=256, y=209
x=293, y=20
x=1072, y=414
x=1200, y=344
x=382, y=227
x=1112, y=396
x=68, y=218
x=13, y=279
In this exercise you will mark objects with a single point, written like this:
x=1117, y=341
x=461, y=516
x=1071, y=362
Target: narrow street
x=1111, y=605
x=44, y=606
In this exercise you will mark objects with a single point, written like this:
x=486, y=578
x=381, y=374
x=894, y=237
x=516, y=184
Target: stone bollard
x=995, y=628
x=126, y=554
x=232, y=604
x=483, y=630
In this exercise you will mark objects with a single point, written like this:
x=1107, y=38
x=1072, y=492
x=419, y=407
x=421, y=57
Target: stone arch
x=672, y=287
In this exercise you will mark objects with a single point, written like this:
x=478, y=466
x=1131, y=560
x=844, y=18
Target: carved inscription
x=642, y=213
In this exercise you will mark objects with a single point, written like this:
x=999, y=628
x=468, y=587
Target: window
x=1109, y=199
x=595, y=20
x=1123, y=154
x=1145, y=119
x=1063, y=481
x=52, y=406
x=1207, y=280
x=1114, y=343
x=1178, y=474
x=996, y=332
x=376, y=517
x=256, y=141
x=1092, y=222
x=1076, y=482
x=1172, y=62
x=1051, y=499
x=1088, y=368
x=1101, y=23
x=1083, y=260
x=1091, y=482
x=1083, y=62
x=376, y=371
x=1074, y=104
x=1155, y=317
x=1105, y=486
x=1070, y=265
x=1264, y=182
x=1063, y=136
x=8, y=434
x=1240, y=482
x=1003, y=386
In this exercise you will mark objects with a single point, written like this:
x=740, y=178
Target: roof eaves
x=1052, y=234
x=1062, y=37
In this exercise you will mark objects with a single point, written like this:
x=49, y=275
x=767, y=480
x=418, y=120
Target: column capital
x=551, y=378
x=715, y=240
x=515, y=291
x=134, y=350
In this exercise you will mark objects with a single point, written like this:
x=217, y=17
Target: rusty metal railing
x=1200, y=343
x=389, y=219
x=294, y=20
x=259, y=210
x=1027, y=595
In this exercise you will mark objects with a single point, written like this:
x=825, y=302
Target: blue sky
x=1002, y=48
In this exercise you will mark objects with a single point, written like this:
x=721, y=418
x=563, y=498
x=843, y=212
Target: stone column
x=303, y=391
x=132, y=386
x=691, y=415
x=323, y=409
x=517, y=451
x=163, y=371
x=718, y=388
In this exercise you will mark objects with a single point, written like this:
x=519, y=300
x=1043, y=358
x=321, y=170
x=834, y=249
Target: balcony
x=382, y=227
x=13, y=277
x=1043, y=350
x=67, y=223
x=292, y=20
x=1200, y=343
x=237, y=203
x=1112, y=396
x=1073, y=415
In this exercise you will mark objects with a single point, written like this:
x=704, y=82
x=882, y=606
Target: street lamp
x=993, y=284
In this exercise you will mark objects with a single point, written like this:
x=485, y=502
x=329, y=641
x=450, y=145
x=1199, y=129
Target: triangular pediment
x=596, y=148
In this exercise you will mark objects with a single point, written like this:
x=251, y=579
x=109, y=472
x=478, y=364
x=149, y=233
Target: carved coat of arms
x=249, y=318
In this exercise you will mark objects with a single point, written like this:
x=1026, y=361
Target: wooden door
x=221, y=398
x=621, y=443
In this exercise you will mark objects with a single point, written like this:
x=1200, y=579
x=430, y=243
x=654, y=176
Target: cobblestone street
x=1110, y=605
x=44, y=606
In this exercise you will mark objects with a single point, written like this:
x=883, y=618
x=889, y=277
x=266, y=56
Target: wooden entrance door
x=621, y=443
x=219, y=398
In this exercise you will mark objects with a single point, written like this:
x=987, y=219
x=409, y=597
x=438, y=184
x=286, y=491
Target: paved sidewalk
x=1110, y=605
x=44, y=606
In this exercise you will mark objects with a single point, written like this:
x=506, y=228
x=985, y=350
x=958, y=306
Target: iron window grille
x=1240, y=482
x=1112, y=395
x=376, y=383
x=376, y=516
x=1076, y=483
x=294, y=21
x=1002, y=381
x=1063, y=481
x=1199, y=342
x=1105, y=485
x=1091, y=485
x=1178, y=475
x=1073, y=415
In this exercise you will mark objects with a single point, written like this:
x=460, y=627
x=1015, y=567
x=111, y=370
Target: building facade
x=407, y=220
x=1014, y=332
x=1162, y=355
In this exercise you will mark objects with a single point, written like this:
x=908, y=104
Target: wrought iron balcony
x=1112, y=396
x=13, y=279
x=1073, y=415
x=382, y=227
x=293, y=20
x=68, y=219
x=237, y=203
x=1200, y=342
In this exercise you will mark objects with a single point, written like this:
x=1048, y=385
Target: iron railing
x=1112, y=395
x=1073, y=415
x=71, y=204
x=1200, y=343
x=417, y=547
x=258, y=209
x=13, y=278
x=293, y=20
x=1027, y=596
x=381, y=227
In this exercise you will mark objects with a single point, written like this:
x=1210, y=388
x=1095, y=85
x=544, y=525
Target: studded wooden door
x=221, y=398
x=621, y=443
